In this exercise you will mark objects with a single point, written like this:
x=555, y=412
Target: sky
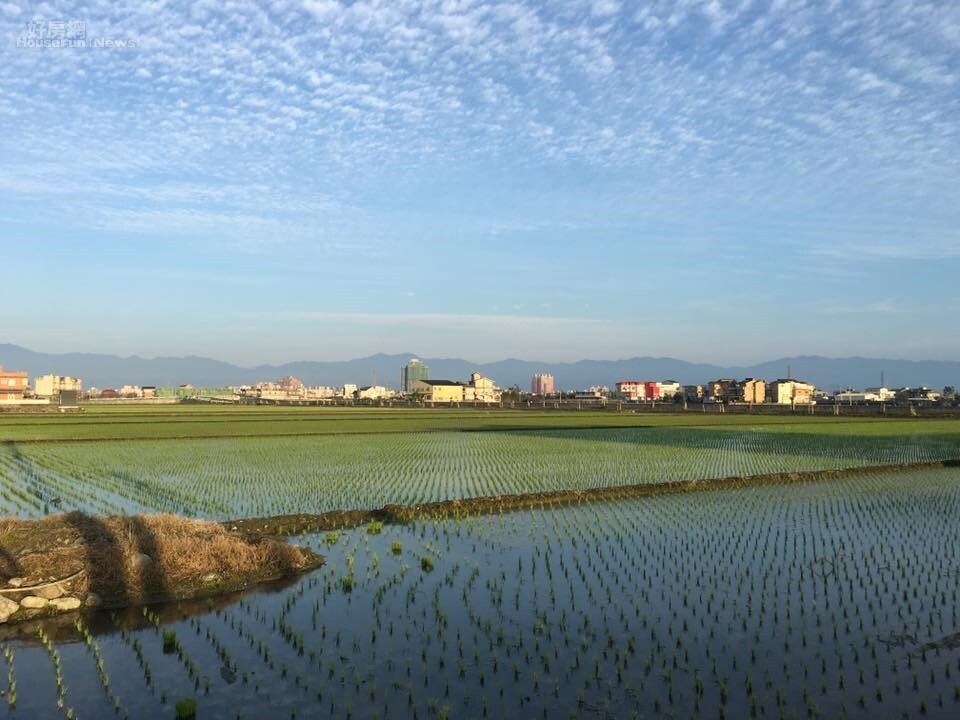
x=264, y=182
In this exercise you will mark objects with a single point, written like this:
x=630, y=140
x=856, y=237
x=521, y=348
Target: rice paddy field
x=826, y=600
x=211, y=470
x=811, y=599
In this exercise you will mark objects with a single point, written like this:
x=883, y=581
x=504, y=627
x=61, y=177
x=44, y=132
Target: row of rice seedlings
x=264, y=476
x=822, y=599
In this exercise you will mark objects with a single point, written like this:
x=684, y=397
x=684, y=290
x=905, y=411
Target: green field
x=224, y=462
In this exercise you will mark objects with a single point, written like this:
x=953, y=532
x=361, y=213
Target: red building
x=542, y=384
x=639, y=389
x=13, y=384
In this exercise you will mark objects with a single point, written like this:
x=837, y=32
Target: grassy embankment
x=74, y=559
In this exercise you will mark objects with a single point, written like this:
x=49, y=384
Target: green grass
x=198, y=421
x=235, y=462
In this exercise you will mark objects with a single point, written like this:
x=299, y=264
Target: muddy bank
x=62, y=563
x=283, y=525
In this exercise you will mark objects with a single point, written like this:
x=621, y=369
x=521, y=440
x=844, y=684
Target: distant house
x=724, y=390
x=130, y=391
x=594, y=392
x=753, y=390
x=290, y=384
x=669, y=388
x=879, y=394
x=858, y=397
x=373, y=392
x=51, y=386
x=791, y=392
x=638, y=389
x=13, y=384
x=148, y=391
x=920, y=395
x=480, y=389
x=439, y=391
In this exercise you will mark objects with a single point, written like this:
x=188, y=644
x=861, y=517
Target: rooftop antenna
x=789, y=376
x=881, y=379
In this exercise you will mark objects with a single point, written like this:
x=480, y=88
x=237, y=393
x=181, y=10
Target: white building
x=669, y=388
x=481, y=389
x=53, y=385
x=373, y=392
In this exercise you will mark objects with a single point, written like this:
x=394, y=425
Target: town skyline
x=104, y=370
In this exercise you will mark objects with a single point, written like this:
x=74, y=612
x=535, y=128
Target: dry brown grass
x=185, y=555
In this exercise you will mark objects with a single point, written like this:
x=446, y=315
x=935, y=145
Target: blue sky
x=717, y=181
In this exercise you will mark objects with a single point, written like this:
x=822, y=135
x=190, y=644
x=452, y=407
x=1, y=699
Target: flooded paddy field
x=826, y=599
x=226, y=478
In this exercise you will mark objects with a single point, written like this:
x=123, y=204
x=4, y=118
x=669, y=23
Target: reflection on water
x=768, y=600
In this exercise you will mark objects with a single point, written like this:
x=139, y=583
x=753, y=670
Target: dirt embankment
x=63, y=562
x=282, y=525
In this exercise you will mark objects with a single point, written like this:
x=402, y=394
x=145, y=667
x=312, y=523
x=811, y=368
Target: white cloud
x=605, y=8
x=323, y=9
x=867, y=81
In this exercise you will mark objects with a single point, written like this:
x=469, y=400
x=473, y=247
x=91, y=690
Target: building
x=148, y=391
x=919, y=395
x=594, y=392
x=668, y=388
x=320, y=392
x=541, y=384
x=645, y=389
x=857, y=397
x=753, y=390
x=724, y=390
x=439, y=391
x=638, y=390
x=790, y=392
x=13, y=384
x=290, y=384
x=130, y=391
x=481, y=389
x=879, y=394
x=411, y=372
x=50, y=386
x=373, y=392
x=693, y=393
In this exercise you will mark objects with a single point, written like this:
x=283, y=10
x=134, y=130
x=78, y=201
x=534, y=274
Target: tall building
x=411, y=372
x=542, y=384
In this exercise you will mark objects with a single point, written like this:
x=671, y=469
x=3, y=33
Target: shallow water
x=254, y=477
x=780, y=601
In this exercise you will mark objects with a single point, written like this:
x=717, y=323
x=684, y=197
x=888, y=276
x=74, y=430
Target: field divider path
x=302, y=523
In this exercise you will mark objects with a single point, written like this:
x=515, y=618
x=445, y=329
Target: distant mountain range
x=103, y=371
